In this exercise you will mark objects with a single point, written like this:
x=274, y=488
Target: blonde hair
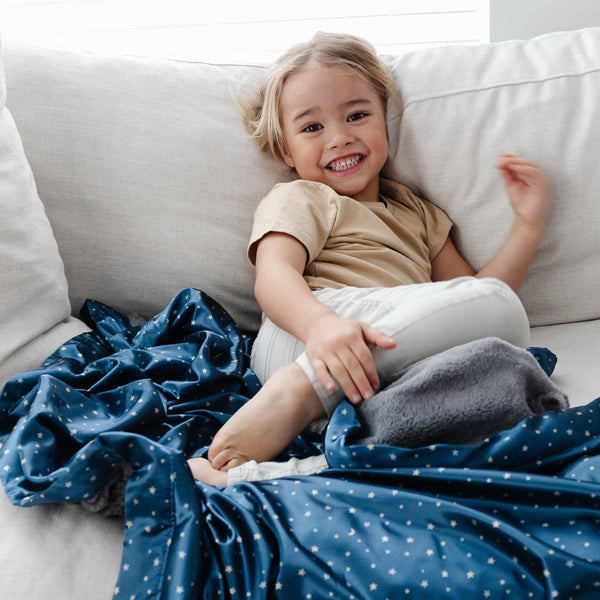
x=261, y=112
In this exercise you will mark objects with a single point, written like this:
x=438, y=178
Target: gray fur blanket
x=460, y=396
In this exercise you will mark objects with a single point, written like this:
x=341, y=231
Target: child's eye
x=357, y=116
x=312, y=128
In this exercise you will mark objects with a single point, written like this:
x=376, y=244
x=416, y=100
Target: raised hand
x=527, y=188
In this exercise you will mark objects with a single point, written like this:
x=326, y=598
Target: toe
x=220, y=460
x=226, y=459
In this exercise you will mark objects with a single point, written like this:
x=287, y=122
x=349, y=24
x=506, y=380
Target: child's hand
x=528, y=190
x=339, y=348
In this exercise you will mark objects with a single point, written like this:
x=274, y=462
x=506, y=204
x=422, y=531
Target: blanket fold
x=516, y=516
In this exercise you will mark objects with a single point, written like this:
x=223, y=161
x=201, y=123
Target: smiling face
x=333, y=124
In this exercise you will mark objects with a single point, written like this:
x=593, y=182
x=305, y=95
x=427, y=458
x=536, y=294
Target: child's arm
x=528, y=190
x=335, y=346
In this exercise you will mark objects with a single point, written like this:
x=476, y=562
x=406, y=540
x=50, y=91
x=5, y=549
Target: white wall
x=238, y=30
x=524, y=19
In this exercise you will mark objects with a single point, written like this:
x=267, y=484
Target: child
x=357, y=277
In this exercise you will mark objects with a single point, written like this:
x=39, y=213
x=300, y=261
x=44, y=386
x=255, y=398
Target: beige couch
x=142, y=182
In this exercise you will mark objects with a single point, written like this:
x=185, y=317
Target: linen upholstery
x=539, y=98
x=164, y=196
x=158, y=186
x=34, y=305
x=76, y=554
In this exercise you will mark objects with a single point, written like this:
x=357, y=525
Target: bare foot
x=265, y=425
x=203, y=471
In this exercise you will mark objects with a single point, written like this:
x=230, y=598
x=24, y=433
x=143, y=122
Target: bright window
x=232, y=31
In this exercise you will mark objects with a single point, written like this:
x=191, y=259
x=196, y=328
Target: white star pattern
x=437, y=520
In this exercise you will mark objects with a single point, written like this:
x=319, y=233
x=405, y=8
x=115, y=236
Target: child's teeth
x=347, y=163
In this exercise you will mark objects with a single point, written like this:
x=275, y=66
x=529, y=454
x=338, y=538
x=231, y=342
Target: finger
x=521, y=167
x=323, y=376
x=504, y=159
x=525, y=169
x=345, y=381
x=374, y=337
x=523, y=175
x=512, y=159
x=529, y=178
x=224, y=460
x=361, y=370
x=364, y=359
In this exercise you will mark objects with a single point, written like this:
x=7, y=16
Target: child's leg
x=264, y=426
x=434, y=317
x=423, y=319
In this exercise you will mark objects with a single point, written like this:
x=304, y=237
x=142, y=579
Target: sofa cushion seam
x=490, y=86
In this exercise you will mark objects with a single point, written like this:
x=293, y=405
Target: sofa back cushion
x=34, y=305
x=147, y=174
x=150, y=181
x=539, y=98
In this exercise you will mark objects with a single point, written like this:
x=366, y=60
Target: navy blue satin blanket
x=515, y=517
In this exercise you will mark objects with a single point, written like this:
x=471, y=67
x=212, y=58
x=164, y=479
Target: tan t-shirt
x=351, y=243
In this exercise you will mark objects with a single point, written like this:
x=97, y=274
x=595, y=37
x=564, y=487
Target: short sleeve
x=438, y=226
x=305, y=210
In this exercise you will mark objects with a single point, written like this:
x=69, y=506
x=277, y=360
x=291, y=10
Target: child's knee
x=501, y=306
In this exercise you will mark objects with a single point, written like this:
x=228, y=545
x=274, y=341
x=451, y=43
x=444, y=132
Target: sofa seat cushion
x=577, y=346
x=65, y=539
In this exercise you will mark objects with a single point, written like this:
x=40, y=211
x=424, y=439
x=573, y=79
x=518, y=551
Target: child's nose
x=341, y=136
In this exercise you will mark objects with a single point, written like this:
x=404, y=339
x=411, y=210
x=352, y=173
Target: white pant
x=423, y=319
